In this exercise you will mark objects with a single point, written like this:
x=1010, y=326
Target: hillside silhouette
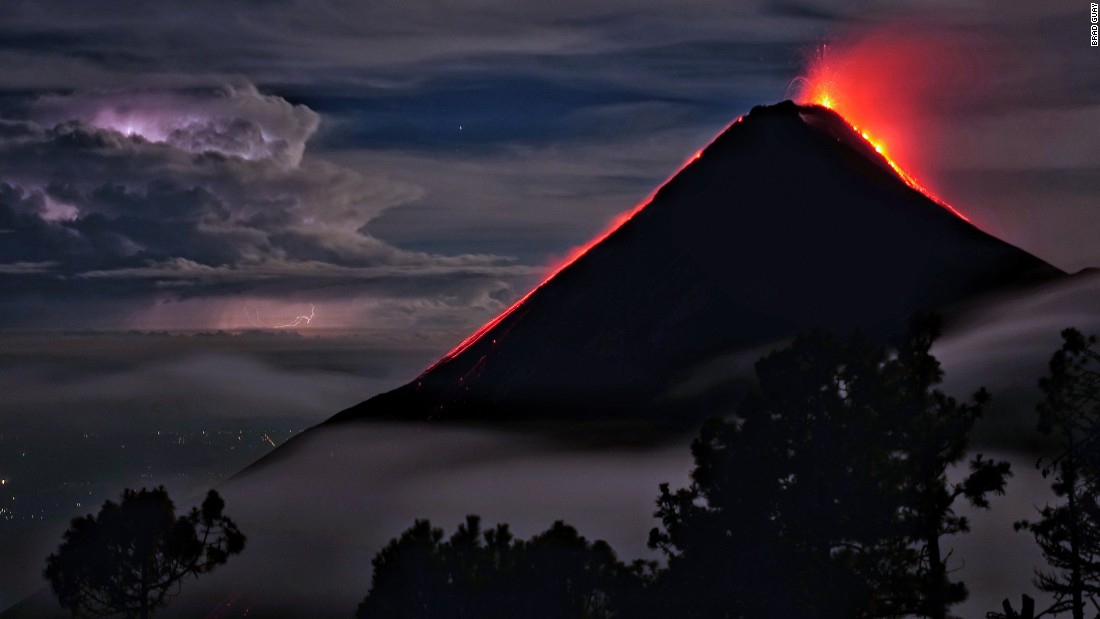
x=789, y=220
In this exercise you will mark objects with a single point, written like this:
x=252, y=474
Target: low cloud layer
x=84, y=416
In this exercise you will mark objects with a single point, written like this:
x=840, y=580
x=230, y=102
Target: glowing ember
x=819, y=87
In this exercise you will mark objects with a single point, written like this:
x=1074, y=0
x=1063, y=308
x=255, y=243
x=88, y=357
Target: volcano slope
x=788, y=220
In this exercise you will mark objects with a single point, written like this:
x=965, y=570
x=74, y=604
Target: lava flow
x=823, y=87
x=824, y=99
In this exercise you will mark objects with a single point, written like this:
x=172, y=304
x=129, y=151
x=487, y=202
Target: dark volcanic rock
x=788, y=220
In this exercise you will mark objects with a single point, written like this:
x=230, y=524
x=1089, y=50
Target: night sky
x=400, y=172
x=413, y=167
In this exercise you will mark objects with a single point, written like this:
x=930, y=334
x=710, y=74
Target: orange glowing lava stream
x=826, y=101
x=576, y=255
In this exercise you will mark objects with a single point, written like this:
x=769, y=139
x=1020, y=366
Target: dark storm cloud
x=192, y=193
x=97, y=198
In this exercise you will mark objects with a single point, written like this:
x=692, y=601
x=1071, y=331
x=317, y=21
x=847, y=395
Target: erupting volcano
x=790, y=219
x=823, y=87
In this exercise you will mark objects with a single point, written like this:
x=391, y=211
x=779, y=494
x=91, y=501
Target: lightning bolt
x=299, y=320
x=254, y=320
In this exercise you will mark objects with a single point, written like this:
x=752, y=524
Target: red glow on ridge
x=573, y=256
x=883, y=82
x=825, y=100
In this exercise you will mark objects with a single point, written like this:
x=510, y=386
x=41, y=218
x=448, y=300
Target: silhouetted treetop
x=132, y=557
x=555, y=574
x=1068, y=532
x=826, y=495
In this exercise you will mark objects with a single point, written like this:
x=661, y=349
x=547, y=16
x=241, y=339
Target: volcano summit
x=788, y=220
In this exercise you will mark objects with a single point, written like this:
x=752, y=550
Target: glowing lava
x=860, y=89
x=824, y=99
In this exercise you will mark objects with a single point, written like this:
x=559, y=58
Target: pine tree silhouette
x=132, y=557
x=1069, y=532
x=826, y=495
